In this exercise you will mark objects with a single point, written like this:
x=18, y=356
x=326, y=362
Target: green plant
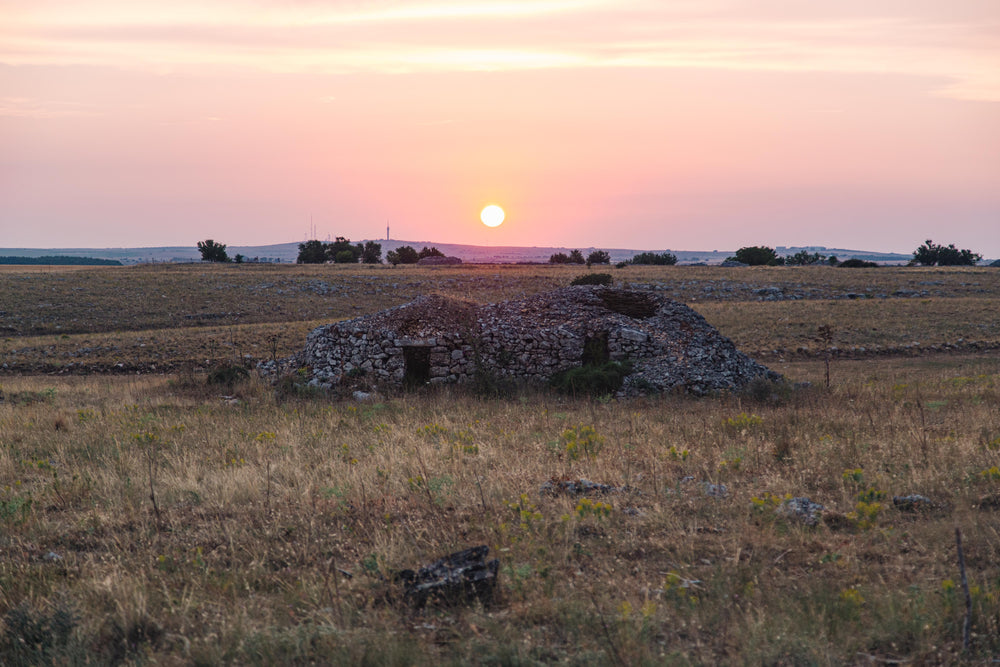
x=742, y=423
x=757, y=256
x=933, y=254
x=582, y=441
x=212, y=251
x=591, y=380
x=593, y=279
x=587, y=508
x=598, y=257
x=33, y=636
x=855, y=263
x=15, y=503
x=227, y=375
x=658, y=259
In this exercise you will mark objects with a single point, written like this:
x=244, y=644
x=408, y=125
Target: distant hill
x=57, y=260
x=287, y=252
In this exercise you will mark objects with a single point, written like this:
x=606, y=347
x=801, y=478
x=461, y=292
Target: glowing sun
x=492, y=216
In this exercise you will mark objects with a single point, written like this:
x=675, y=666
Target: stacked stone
x=534, y=338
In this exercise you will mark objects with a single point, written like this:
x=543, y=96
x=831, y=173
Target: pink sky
x=705, y=124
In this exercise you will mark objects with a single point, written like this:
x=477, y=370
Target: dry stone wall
x=437, y=339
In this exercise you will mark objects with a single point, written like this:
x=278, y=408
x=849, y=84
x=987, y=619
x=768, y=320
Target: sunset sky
x=690, y=125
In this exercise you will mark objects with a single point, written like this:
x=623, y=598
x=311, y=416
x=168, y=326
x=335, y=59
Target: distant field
x=169, y=317
x=147, y=516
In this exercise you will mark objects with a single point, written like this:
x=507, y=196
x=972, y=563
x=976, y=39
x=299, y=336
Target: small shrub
x=295, y=385
x=582, y=441
x=591, y=380
x=764, y=390
x=593, y=279
x=656, y=259
x=38, y=636
x=228, y=375
x=855, y=263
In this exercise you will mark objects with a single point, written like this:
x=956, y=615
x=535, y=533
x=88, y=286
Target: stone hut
x=437, y=339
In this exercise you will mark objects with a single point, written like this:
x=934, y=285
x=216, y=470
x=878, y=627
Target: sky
x=664, y=124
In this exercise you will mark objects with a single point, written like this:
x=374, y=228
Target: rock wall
x=437, y=339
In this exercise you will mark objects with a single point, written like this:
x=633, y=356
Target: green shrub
x=32, y=636
x=757, y=256
x=592, y=379
x=296, y=385
x=593, y=279
x=661, y=259
x=228, y=375
x=855, y=263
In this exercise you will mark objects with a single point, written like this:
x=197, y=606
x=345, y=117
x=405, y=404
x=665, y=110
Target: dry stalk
x=607, y=632
x=967, y=621
x=152, y=490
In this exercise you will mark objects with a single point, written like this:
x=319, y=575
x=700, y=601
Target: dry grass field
x=149, y=517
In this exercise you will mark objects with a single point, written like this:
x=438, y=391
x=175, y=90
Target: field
x=147, y=516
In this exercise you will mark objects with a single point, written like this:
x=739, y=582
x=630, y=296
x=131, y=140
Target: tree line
x=928, y=254
x=342, y=251
x=339, y=251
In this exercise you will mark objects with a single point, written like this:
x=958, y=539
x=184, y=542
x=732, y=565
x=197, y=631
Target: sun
x=492, y=216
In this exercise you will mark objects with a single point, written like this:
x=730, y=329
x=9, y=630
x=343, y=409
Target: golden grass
x=176, y=317
x=263, y=503
x=278, y=523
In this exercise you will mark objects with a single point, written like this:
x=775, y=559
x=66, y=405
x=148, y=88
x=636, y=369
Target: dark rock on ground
x=458, y=578
x=579, y=486
x=801, y=509
x=913, y=503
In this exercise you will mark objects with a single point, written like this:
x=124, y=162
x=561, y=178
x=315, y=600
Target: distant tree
x=855, y=263
x=833, y=261
x=312, y=252
x=662, y=259
x=559, y=258
x=757, y=256
x=339, y=249
x=430, y=252
x=576, y=257
x=598, y=257
x=931, y=254
x=239, y=258
x=212, y=251
x=804, y=258
x=345, y=257
x=402, y=255
x=372, y=253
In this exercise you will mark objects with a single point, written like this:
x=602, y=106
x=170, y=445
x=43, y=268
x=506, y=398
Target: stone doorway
x=416, y=365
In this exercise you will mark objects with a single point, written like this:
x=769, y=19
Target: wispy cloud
x=959, y=54
x=26, y=107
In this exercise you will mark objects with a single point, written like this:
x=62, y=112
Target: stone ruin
x=437, y=339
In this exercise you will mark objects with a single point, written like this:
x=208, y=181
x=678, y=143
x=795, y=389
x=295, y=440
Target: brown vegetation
x=157, y=518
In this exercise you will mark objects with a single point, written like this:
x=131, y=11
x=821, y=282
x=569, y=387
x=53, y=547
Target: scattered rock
x=462, y=577
x=913, y=503
x=439, y=261
x=363, y=396
x=579, y=486
x=801, y=509
x=715, y=490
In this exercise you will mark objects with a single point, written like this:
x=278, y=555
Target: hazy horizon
x=628, y=124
